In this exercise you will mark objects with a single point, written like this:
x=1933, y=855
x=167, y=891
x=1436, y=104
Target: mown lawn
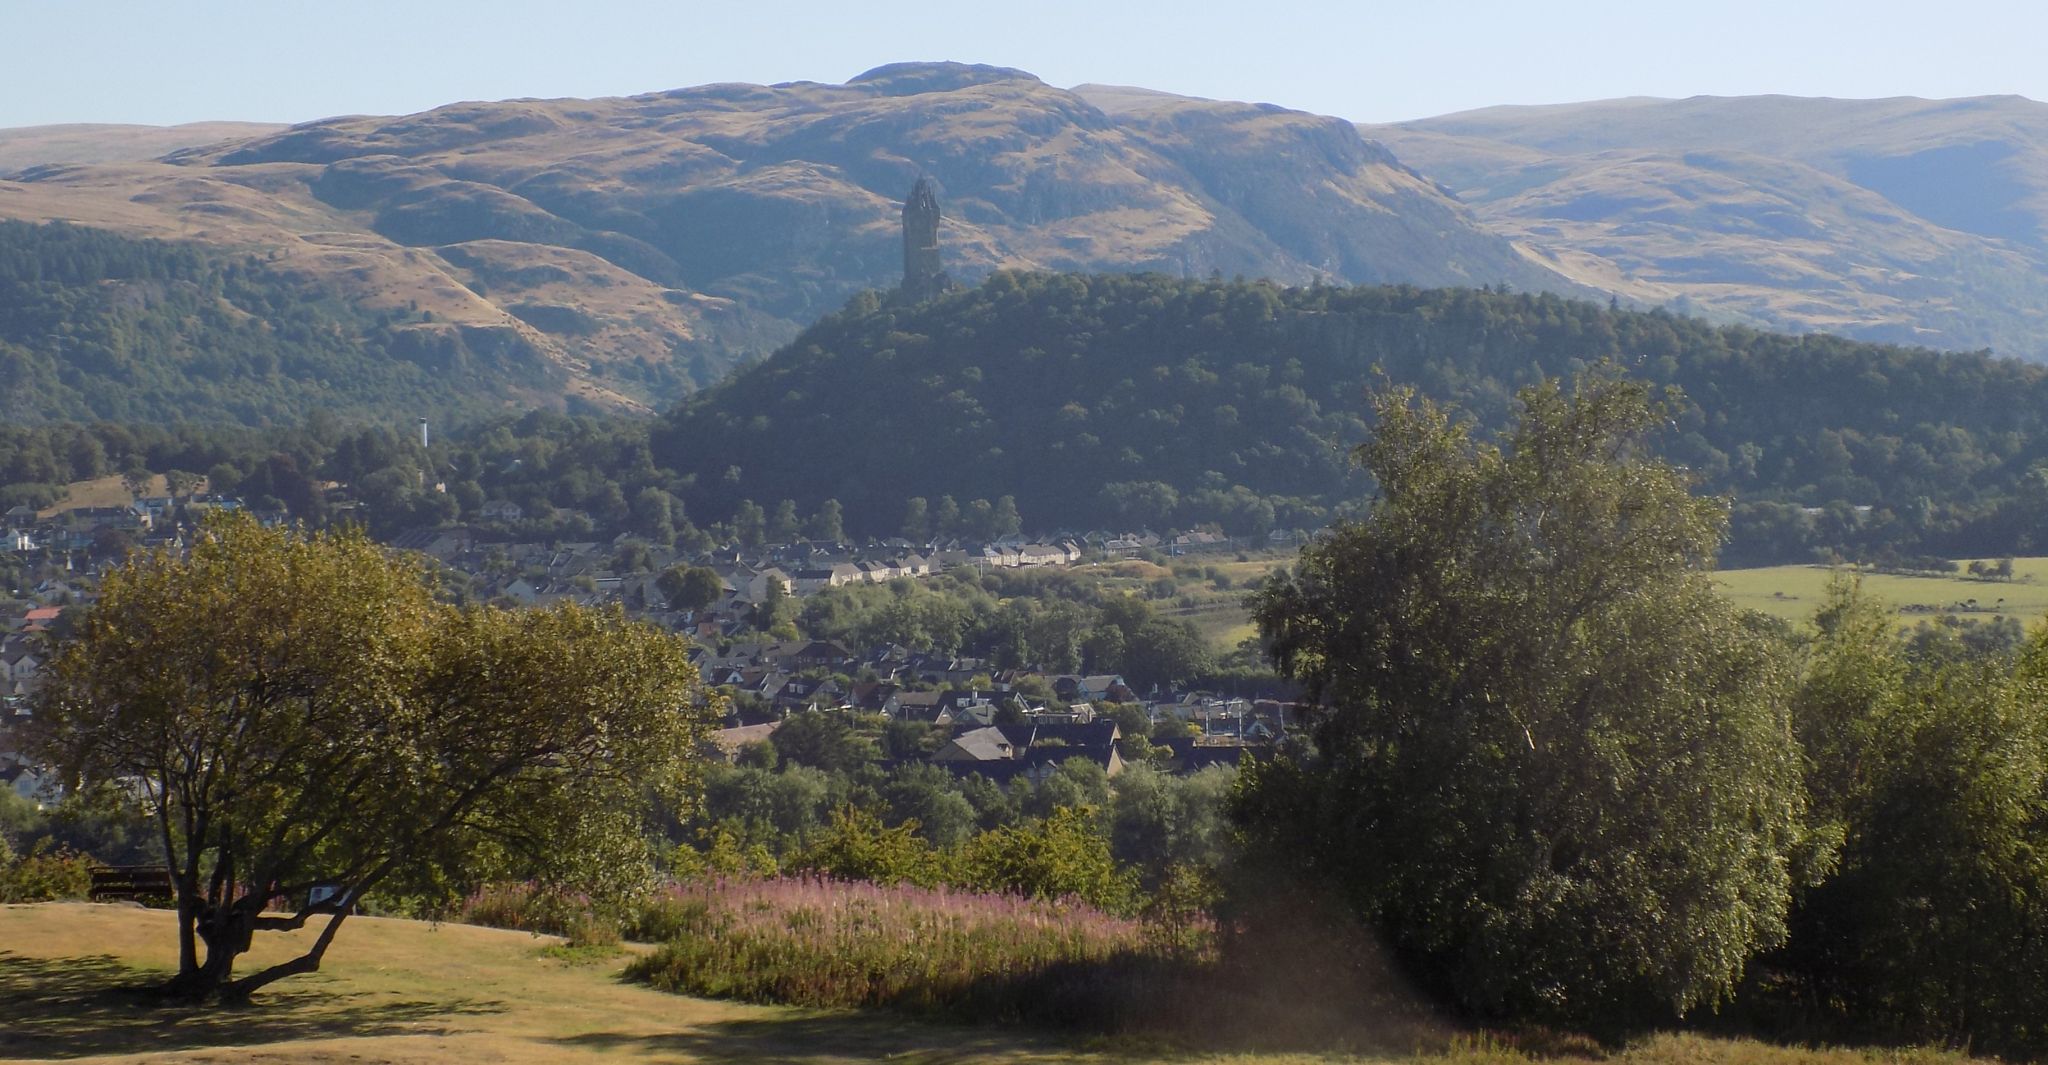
x=1794, y=592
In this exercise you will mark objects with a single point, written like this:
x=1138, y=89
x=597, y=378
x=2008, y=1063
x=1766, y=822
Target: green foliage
x=1552, y=769
x=858, y=846
x=301, y=711
x=44, y=874
x=1065, y=854
x=690, y=587
x=1936, y=779
x=96, y=326
x=822, y=740
x=1146, y=400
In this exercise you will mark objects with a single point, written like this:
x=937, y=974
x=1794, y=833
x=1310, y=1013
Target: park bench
x=129, y=883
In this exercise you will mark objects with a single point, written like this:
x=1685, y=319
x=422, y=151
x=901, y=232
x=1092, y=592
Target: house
x=500, y=510
x=878, y=697
x=985, y=744
x=921, y=706
x=1094, y=688
x=726, y=743
x=815, y=579
x=19, y=665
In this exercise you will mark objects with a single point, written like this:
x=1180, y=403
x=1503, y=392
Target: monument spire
x=923, y=275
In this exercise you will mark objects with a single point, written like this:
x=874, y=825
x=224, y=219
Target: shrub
x=1063, y=855
x=826, y=943
x=45, y=874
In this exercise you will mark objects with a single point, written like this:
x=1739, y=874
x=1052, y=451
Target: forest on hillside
x=1038, y=402
x=1148, y=400
x=96, y=326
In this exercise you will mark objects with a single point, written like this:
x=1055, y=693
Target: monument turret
x=923, y=275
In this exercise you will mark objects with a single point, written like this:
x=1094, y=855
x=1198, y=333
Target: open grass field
x=108, y=491
x=410, y=993
x=1794, y=592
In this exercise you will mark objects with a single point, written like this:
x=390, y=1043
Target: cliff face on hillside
x=645, y=244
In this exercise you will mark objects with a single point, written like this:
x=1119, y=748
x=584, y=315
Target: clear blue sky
x=159, y=62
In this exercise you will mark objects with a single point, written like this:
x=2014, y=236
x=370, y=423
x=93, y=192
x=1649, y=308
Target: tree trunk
x=226, y=931
x=309, y=962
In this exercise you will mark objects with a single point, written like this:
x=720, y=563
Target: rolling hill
x=646, y=244
x=1125, y=401
x=1899, y=220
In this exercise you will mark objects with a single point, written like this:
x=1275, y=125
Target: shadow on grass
x=74, y=1007
x=801, y=1039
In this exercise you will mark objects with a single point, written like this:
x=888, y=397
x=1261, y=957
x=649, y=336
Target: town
x=1001, y=721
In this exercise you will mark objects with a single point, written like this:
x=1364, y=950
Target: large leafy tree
x=1551, y=763
x=297, y=712
x=1935, y=779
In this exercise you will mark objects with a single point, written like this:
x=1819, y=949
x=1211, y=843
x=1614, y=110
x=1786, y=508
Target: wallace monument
x=923, y=276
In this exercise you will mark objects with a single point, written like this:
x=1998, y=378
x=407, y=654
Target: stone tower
x=923, y=276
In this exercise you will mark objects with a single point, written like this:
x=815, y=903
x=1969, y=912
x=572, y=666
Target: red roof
x=43, y=613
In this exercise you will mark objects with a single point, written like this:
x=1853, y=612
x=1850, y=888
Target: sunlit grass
x=1794, y=592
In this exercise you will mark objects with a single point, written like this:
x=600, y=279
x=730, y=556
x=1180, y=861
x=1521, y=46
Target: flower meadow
x=829, y=943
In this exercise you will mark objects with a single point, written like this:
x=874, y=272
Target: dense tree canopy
x=1551, y=763
x=297, y=712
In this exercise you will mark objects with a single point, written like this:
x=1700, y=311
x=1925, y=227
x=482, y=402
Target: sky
x=161, y=63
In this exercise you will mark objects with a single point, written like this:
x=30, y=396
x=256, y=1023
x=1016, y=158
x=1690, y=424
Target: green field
x=1795, y=592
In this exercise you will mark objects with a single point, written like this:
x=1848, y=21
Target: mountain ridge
x=693, y=227
x=1898, y=220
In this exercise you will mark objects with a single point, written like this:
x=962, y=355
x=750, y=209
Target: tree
x=297, y=712
x=783, y=526
x=1006, y=521
x=822, y=739
x=1551, y=762
x=827, y=524
x=1933, y=777
x=916, y=521
x=946, y=519
x=689, y=587
x=749, y=525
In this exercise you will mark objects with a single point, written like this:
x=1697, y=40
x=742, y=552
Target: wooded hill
x=1126, y=401
x=1146, y=400
x=95, y=326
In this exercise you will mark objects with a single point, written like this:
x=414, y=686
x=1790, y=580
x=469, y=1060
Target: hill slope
x=1903, y=220
x=100, y=327
x=1149, y=400
x=644, y=244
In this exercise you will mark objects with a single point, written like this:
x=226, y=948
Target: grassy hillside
x=26, y=146
x=645, y=244
x=1901, y=220
x=408, y=993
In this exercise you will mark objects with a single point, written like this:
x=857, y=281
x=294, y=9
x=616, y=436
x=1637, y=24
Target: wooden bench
x=129, y=883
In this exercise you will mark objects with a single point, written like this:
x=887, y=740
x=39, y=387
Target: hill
x=645, y=244
x=1128, y=401
x=95, y=326
x=1900, y=220
x=26, y=146
x=412, y=993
